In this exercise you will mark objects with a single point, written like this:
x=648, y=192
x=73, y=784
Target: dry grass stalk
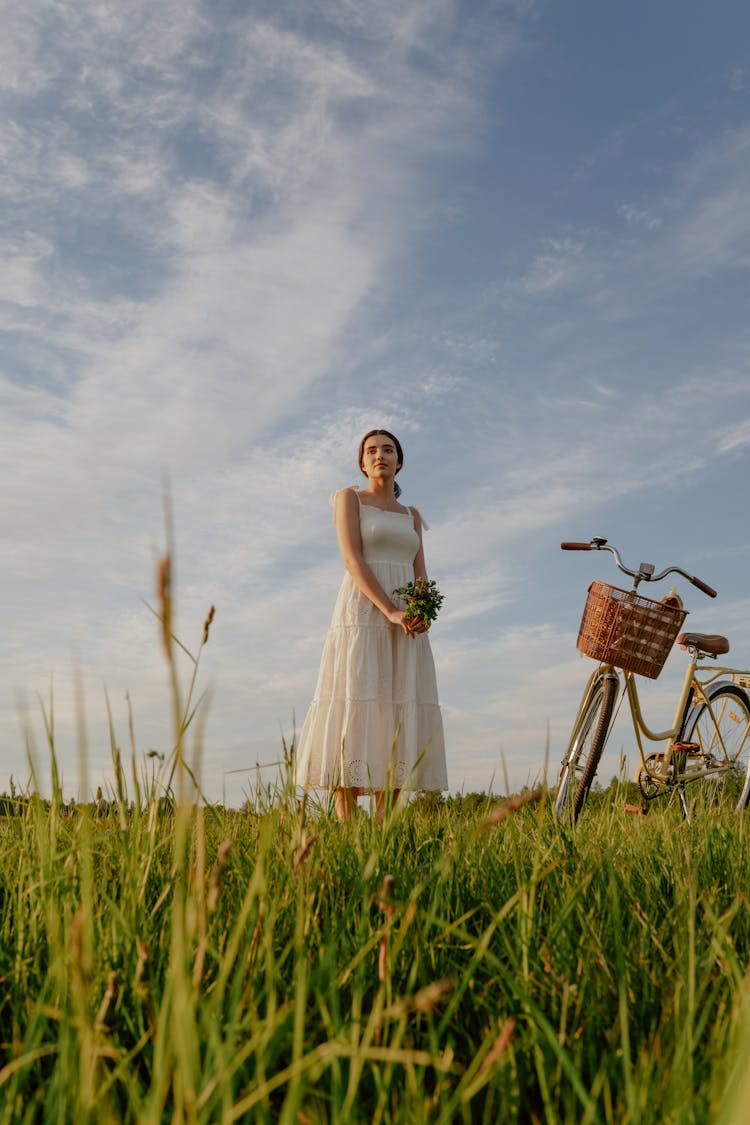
x=387, y=905
x=78, y=956
x=139, y=978
x=140, y=983
x=424, y=1001
x=500, y=1045
x=106, y=1008
x=164, y=600
x=217, y=875
x=428, y=998
x=512, y=806
x=383, y=957
x=255, y=939
x=386, y=900
x=302, y=852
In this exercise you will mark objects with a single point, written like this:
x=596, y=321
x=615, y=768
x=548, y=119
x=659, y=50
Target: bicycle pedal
x=691, y=749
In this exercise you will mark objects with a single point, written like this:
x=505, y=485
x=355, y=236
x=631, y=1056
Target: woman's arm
x=420, y=567
x=346, y=516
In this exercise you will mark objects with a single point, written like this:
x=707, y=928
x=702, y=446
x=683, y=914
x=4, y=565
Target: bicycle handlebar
x=703, y=586
x=645, y=572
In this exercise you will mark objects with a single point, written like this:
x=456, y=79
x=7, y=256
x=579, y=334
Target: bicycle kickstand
x=683, y=801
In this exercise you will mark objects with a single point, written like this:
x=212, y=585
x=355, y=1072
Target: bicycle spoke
x=585, y=749
x=721, y=730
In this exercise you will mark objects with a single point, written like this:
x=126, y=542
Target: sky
x=237, y=235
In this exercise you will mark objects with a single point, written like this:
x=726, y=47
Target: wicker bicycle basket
x=622, y=628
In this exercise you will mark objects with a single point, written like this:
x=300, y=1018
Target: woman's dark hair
x=399, y=453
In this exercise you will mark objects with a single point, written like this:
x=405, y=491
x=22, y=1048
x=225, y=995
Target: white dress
x=375, y=717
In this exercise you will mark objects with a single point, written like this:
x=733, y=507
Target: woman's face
x=380, y=457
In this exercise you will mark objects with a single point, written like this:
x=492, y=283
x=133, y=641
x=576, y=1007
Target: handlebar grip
x=575, y=546
x=704, y=587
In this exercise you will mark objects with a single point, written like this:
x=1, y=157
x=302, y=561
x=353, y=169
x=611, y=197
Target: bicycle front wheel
x=585, y=749
x=725, y=726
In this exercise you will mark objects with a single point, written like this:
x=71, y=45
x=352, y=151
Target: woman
x=374, y=722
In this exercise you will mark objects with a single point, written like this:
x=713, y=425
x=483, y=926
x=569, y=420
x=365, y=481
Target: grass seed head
x=217, y=874
x=207, y=623
x=164, y=599
x=386, y=900
x=428, y=998
x=140, y=968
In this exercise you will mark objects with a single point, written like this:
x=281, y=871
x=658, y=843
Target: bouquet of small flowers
x=423, y=600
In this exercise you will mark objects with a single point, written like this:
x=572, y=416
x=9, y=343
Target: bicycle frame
x=692, y=693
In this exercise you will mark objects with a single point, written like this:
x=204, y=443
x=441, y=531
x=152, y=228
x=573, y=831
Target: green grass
x=469, y=961
x=437, y=969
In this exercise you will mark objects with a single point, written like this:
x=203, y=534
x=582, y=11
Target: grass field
x=466, y=962
x=469, y=961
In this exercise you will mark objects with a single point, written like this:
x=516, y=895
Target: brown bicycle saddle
x=710, y=643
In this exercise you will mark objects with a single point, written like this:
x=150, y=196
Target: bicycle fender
x=719, y=685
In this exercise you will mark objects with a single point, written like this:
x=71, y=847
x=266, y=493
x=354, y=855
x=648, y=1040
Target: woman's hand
x=398, y=617
x=411, y=626
x=417, y=625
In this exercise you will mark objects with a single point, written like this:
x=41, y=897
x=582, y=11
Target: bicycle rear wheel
x=728, y=728
x=585, y=749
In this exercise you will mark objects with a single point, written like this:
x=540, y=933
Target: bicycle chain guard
x=658, y=773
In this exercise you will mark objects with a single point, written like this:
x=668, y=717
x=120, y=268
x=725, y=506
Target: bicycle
x=629, y=635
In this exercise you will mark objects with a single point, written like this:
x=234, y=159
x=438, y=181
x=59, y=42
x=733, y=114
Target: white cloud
x=638, y=218
x=556, y=267
x=716, y=234
x=734, y=438
x=699, y=228
x=738, y=80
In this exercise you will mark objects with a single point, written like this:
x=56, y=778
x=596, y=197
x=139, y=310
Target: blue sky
x=237, y=235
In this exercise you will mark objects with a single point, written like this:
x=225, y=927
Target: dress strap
x=413, y=511
x=422, y=521
x=333, y=495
